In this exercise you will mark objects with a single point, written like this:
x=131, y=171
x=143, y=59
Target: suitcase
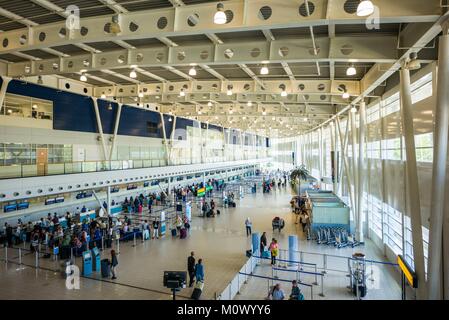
x=183, y=233
x=105, y=268
x=196, y=294
x=266, y=254
x=218, y=211
x=173, y=232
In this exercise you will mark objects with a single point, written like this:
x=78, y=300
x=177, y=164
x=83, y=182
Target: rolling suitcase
x=105, y=268
x=196, y=294
x=218, y=211
x=183, y=233
x=173, y=232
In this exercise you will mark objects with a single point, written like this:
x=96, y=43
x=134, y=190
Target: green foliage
x=299, y=174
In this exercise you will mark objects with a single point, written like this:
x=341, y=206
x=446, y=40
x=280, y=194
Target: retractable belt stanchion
x=6, y=254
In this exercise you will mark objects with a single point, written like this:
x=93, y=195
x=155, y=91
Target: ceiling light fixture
x=133, y=74
x=192, y=71
x=229, y=92
x=345, y=95
x=140, y=94
x=351, y=71
x=209, y=104
x=34, y=106
x=283, y=93
x=182, y=93
x=353, y=109
x=365, y=8
x=220, y=15
x=83, y=77
x=264, y=70
x=414, y=63
x=103, y=96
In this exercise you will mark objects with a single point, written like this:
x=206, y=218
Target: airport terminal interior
x=224, y=150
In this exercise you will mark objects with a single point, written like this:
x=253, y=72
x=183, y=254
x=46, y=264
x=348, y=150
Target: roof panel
x=105, y=45
x=231, y=71
x=299, y=32
x=144, y=42
x=190, y=39
x=144, y=5
x=31, y=11
x=12, y=58
x=244, y=35
x=164, y=73
x=88, y=8
x=69, y=49
x=40, y=54
x=11, y=25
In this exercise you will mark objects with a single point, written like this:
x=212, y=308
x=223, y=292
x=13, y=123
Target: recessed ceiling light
x=133, y=74
x=229, y=92
x=345, y=95
x=103, y=96
x=83, y=77
x=351, y=71
x=182, y=93
x=192, y=71
x=220, y=16
x=209, y=104
x=365, y=8
x=283, y=93
x=264, y=70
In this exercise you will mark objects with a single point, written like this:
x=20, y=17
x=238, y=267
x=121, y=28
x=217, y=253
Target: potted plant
x=297, y=175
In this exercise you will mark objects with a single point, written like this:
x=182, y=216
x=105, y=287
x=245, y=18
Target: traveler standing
x=248, y=225
x=191, y=268
x=277, y=293
x=156, y=229
x=263, y=243
x=274, y=249
x=199, y=271
x=296, y=292
x=114, y=263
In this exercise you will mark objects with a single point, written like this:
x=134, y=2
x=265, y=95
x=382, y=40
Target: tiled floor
x=220, y=241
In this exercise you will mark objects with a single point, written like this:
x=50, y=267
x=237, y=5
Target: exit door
x=42, y=161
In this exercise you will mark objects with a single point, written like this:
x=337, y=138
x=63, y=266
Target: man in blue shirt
x=199, y=271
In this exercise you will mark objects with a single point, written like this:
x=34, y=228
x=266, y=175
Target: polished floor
x=220, y=241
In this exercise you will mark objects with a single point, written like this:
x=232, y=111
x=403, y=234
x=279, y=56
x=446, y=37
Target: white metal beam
x=246, y=18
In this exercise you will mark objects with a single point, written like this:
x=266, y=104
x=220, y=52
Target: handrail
x=300, y=271
x=274, y=279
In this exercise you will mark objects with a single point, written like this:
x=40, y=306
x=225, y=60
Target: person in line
x=191, y=268
x=114, y=264
x=277, y=293
x=248, y=225
x=199, y=271
x=296, y=292
x=274, y=249
x=263, y=242
x=155, y=229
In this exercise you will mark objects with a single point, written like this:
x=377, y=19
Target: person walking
x=274, y=249
x=191, y=268
x=114, y=264
x=263, y=243
x=248, y=225
x=199, y=271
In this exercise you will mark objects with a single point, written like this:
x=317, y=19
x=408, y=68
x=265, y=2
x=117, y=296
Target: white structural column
x=5, y=82
x=164, y=136
x=438, y=271
x=172, y=138
x=360, y=176
x=354, y=163
x=108, y=197
x=321, y=153
x=412, y=180
x=116, y=126
x=333, y=149
x=343, y=143
x=100, y=128
x=336, y=167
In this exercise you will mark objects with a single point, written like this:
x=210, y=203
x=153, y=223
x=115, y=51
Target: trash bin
x=105, y=268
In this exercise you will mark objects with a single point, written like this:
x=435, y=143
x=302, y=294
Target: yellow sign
x=408, y=272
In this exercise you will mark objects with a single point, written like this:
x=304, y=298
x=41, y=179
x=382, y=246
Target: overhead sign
x=408, y=272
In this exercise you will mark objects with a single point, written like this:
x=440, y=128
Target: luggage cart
x=278, y=223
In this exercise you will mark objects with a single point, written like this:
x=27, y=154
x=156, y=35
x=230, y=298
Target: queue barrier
x=280, y=280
